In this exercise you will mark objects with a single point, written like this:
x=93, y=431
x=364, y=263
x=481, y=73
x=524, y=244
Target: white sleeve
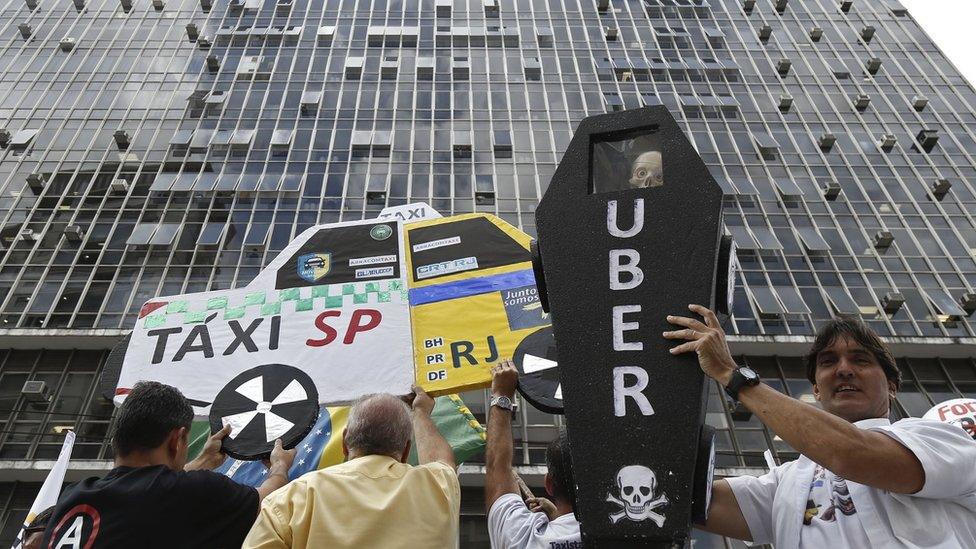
x=946, y=452
x=755, y=498
x=511, y=524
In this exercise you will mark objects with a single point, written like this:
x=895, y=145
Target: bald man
x=374, y=499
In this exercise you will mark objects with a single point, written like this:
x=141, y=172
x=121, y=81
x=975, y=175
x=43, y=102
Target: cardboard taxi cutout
x=472, y=298
x=346, y=309
x=348, y=329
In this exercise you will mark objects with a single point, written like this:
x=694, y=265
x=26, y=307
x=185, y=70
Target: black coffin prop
x=635, y=413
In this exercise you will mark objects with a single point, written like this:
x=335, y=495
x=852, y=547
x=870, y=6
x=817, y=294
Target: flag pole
x=51, y=489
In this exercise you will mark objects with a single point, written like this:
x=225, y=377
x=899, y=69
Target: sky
x=949, y=23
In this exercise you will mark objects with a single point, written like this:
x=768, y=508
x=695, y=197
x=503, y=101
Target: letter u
x=614, y=229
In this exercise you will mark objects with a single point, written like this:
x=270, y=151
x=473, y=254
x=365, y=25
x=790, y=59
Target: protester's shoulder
x=443, y=474
x=296, y=491
x=509, y=514
x=931, y=428
x=208, y=481
x=770, y=479
x=83, y=485
x=313, y=480
x=781, y=470
x=437, y=467
x=505, y=503
x=153, y=476
x=915, y=423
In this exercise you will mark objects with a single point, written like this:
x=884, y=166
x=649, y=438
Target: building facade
x=171, y=146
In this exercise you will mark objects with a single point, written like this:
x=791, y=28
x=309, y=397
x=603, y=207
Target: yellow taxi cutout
x=472, y=298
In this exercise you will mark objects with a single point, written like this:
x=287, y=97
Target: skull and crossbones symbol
x=647, y=171
x=636, y=485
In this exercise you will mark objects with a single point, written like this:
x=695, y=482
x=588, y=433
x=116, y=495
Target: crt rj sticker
x=447, y=267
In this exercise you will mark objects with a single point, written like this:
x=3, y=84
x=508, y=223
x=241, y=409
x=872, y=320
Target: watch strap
x=503, y=402
x=737, y=382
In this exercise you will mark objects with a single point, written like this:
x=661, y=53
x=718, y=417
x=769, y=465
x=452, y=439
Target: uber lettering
x=625, y=274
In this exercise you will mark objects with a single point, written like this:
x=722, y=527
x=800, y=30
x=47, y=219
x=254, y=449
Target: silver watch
x=502, y=402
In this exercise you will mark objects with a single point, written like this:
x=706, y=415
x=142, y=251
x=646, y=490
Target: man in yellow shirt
x=374, y=499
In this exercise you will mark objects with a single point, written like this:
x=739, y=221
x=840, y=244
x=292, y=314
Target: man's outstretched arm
x=431, y=445
x=866, y=457
x=278, y=466
x=724, y=515
x=498, y=454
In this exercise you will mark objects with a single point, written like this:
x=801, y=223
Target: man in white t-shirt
x=861, y=481
x=511, y=524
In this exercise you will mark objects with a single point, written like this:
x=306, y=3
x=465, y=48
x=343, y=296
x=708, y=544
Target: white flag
x=51, y=489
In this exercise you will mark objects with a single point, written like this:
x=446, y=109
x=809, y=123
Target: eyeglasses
x=31, y=530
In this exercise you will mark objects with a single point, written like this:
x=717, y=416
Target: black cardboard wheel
x=725, y=277
x=535, y=359
x=701, y=496
x=112, y=369
x=263, y=404
x=540, y=279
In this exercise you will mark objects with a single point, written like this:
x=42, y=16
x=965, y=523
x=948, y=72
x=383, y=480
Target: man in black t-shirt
x=153, y=498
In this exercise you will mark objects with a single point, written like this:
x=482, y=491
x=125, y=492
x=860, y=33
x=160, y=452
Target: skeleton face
x=636, y=484
x=647, y=171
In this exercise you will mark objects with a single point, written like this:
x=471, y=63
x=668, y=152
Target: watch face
x=749, y=373
x=503, y=402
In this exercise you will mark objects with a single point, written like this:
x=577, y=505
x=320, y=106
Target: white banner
x=51, y=489
x=350, y=338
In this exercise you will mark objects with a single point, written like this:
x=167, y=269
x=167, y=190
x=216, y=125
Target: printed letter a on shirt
x=70, y=531
x=71, y=537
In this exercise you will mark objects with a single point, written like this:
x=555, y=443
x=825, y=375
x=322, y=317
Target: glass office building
x=156, y=147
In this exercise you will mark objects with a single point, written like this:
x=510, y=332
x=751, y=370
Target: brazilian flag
x=323, y=445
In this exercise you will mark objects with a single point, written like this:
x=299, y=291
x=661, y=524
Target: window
x=766, y=239
x=743, y=238
x=788, y=188
x=141, y=234
x=812, y=240
x=791, y=300
x=842, y=302
x=766, y=301
x=946, y=306
x=165, y=234
x=163, y=182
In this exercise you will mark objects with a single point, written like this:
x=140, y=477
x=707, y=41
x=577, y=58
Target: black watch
x=743, y=376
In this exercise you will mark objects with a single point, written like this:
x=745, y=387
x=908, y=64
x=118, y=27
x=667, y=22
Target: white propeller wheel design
x=264, y=404
x=532, y=364
x=539, y=384
x=274, y=425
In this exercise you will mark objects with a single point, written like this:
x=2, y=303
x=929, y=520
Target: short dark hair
x=559, y=462
x=859, y=333
x=150, y=412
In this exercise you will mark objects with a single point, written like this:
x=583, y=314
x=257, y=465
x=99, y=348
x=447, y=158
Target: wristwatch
x=743, y=376
x=502, y=402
